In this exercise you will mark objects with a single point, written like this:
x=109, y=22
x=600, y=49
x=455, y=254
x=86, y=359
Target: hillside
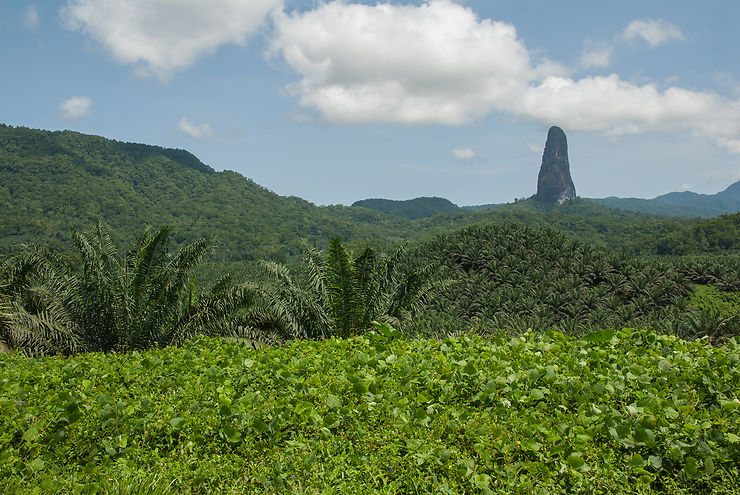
x=412, y=208
x=51, y=181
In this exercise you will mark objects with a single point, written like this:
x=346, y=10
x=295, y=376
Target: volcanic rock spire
x=554, y=184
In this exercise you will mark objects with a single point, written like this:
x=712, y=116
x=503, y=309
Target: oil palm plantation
x=108, y=300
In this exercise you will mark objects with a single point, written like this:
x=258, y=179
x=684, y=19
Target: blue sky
x=340, y=101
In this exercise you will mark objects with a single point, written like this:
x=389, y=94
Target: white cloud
x=434, y=63
x=203, y=132
x=535, y=148
x=75, y=108
x=654, y=31
x=438, y=63
x=615, y=107
x=463, y=153
x=686, y=187
x=30, y=18
x=596, y=57
x=163, y=36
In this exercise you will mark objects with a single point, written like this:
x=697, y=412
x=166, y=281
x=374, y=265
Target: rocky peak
x=554, y=183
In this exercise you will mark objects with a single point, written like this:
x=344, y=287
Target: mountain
x=51, y=181
x=681, y=204
x=412, y=208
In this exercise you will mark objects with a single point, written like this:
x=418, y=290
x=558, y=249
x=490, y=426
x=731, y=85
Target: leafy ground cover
x=613, y=412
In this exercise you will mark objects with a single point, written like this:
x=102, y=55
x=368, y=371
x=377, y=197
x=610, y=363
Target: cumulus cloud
x=616, y=107
x=654, y=31
x=30, y=17
x=75, y=108
x=438, y=63
x=596, y=57
x=463, y=153
x=434, y=63
x=163, y=36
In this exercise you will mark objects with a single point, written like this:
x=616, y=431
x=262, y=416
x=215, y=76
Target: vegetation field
x=613, y=412
x=236, y=348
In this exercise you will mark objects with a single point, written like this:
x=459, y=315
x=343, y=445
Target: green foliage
x=725, y=304
x=513, y=278
x=632, y=413
x=50, y=181
x=413, y=208
x=108, y=301
x=335, y=293
x=718, y=312
x=721, y=271
x=718, y=235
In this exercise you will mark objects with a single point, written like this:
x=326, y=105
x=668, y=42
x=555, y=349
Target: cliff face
x=554, y=183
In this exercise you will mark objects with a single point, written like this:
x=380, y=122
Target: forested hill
x=52, y=181
x=413, y=208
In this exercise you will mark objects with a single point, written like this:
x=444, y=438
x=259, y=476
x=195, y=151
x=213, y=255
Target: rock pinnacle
x=554, y=183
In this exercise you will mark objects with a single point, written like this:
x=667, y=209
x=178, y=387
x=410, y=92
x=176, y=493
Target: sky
x=337, y=101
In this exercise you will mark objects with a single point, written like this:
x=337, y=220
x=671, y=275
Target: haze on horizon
x=339, y=101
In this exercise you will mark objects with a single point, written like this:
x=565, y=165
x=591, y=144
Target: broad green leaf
x=333, y=402
x=259, y=426
x=232, y=434
x=177, y=423
x=32, y=434
x=575, y=460
x=536, y=394
x=531, y=444
x=691, y=466
x=37, y=464
x=636, y=461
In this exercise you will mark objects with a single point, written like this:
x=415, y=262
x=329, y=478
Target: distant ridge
x=422, y=207
x=681, y=204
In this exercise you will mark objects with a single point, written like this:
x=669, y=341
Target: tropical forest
x=167, y=328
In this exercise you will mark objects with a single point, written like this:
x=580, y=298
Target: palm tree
x=137, y=300
x=335, y=294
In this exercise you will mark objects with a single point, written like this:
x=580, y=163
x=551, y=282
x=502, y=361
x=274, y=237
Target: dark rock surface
x=554, y=183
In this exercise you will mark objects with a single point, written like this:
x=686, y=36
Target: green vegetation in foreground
x=111, y=300
x=615, y=412
x=337, y=294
